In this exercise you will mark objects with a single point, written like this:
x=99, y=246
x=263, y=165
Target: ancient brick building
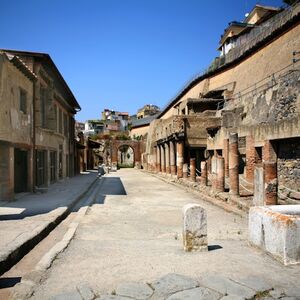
x=37, y=123
x=239, y=117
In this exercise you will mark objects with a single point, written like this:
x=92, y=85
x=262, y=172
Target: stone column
x=180, y=155
x=172, y=158
x=233, y=164
x=213, y=175
x=193, y=169
x=194, y=228
x=158, y=165
x=162, y=159
x=220, y=181
x=270, y=179
x=250, y=158
x=203, y=179
x=185, y=170
x=269, y=151
x=226, y=156
x=167, y=151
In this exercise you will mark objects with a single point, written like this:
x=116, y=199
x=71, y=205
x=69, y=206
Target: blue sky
x=122, y=54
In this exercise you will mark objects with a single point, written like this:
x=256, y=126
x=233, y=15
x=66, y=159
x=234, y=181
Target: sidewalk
x=24, y=222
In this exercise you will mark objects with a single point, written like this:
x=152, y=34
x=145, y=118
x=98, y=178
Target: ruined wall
x=268, y=60
x=272, y=112
x=288, y=168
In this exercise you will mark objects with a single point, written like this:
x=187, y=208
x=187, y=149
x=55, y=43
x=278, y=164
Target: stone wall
x=288, y=166
x=15, y=125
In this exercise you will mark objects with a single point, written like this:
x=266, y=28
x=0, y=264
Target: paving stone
x=290, y=298
x=232, y=297
x=293, y=292
x=277, y=293
x=67, y=296
x=86, y=292
x=200, y=293
x=112, y=297
x=172, y=283
x=137, y=290
x=226, y=286
x=255, y=283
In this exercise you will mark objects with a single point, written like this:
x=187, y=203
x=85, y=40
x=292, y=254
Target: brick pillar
x=233, y=164
x=270, y=179
x=250, y=158
x=193, y=169
x=226, y=156
x=220, y=181
x=172, y=158
x=203, y=179
x=162, y=159
x=167, y=151
x=185, y=170
x=114, y=155
x=180, y=155
x=158, y=166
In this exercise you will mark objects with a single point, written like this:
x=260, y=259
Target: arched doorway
x=125, y=156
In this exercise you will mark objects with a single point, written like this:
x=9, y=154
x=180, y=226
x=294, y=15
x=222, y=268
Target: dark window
x=23, y=101
x=40, y=168
x=52, y=166
x=60, y=162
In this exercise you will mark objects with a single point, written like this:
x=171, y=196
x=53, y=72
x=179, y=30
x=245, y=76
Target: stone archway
x=134, y=145
x=125, y=157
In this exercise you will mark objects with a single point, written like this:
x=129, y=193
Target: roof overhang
x=44, y=57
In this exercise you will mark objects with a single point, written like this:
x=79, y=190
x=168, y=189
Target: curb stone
x=45, y=263
x=9, y=259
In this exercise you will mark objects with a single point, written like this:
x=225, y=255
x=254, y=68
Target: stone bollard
x=194, y=228
x=203, y=179
x=185, y=170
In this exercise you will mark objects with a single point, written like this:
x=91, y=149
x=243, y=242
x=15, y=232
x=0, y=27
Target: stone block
x=194, y=228
x=200, y=293
x=135, y=290
x=114, y=167
x=276, y=229
x=258, y=198
x=227, y=286
x=170, y=284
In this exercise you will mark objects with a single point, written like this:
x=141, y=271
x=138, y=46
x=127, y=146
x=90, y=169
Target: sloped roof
x=47, y=59
x=16, y=61
x=143, y=121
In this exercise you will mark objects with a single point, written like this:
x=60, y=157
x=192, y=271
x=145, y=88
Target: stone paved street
x=131, y=239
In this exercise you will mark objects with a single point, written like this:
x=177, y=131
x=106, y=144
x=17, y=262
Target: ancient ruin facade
x=37, y=136
x=239, y=115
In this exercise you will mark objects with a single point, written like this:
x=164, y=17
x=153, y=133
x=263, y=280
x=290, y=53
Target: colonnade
x=223, y=164
x=170, y=157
